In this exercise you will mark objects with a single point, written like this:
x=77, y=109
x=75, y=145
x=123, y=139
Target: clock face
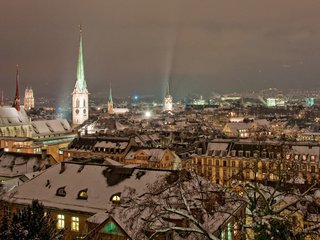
x=77, y=111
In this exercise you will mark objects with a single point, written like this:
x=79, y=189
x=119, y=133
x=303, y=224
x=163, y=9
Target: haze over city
x=212, y=46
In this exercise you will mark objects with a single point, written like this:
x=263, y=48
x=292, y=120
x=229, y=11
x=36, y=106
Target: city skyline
x=138, y=46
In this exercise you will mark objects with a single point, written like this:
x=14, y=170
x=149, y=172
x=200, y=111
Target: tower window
x=84, y=102
x=77, y=103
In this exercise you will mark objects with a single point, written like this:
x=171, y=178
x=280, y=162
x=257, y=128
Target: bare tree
x=278, y=209
x=181, y=205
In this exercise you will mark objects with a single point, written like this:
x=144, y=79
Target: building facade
x=225, y=161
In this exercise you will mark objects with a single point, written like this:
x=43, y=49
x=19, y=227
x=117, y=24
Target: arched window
x=77, y=103
x=84, y=103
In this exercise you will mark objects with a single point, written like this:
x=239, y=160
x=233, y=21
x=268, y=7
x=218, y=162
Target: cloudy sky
x=202, y=45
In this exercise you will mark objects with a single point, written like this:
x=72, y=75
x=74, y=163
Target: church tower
x=167, y=106
x=80, y=94
x=16, y=102
x=110, y=103
x=28, y=101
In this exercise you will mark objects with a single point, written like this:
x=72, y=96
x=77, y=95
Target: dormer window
x=115, y=198
x=64, y=126
x=49, y=127
x=35, y=129
x=83, y=194
x=61, y=192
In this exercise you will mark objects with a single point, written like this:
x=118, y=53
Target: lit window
x=116, y=198
x=83, y=194
x=223, y=235
x=60, y=221
x=229, y=231
x=75, y=224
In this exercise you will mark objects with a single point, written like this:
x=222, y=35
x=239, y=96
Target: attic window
x=83, y=194
x=61, y=192
x=64, y=126
x=35, y=129
x=140, y=174
x=49, y=127
x=116, y=198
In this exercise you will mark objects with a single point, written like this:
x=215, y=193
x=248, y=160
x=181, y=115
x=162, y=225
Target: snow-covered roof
x=10, y=116
x=103, y=183
x=216, y=148
x=234, y=127
x=120, y=110
x=153, y=154
x=111, y=145
x=48, y=127
x=13, y=164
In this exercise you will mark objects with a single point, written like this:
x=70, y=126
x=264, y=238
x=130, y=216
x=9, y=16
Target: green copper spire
x=168, y=89
x=110, y=95
x=81, y=82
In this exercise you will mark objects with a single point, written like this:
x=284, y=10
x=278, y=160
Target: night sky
x=204, y=46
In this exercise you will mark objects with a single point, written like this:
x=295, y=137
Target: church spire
x=81, y=82
x=16, y=102
x=110, y=102
x=80, y=95
x=168, y=89
x=110, y=94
